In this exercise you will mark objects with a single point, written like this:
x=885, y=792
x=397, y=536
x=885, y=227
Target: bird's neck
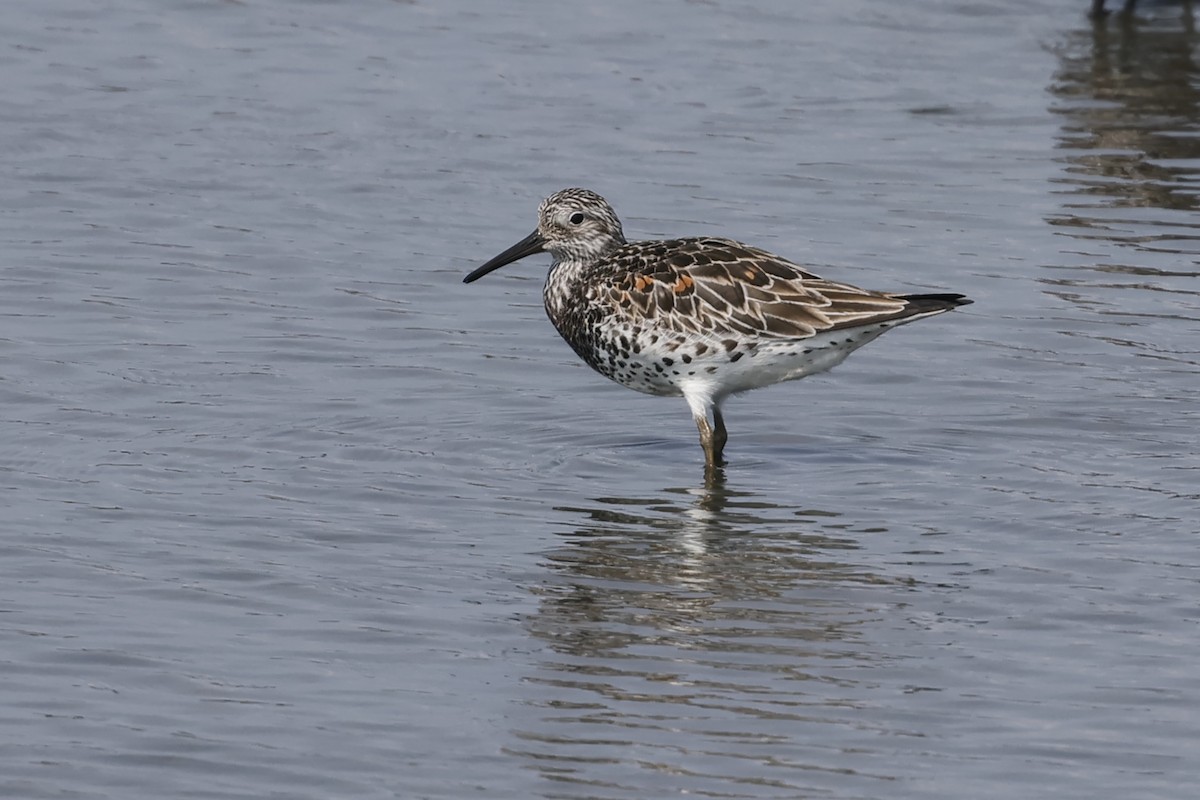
x=564, y=287
x=569, y=283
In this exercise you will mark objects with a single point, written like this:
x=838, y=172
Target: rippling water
x=291, y=512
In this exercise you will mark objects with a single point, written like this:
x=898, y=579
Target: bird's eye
x=576, y=218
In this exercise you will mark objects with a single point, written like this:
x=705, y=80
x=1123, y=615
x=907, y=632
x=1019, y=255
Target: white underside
x=771, y=363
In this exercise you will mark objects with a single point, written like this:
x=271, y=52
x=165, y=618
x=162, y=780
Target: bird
x=702, y=317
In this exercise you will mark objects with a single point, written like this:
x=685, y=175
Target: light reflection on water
x=1130, y=108
x=706, y=635
x=1127, y=96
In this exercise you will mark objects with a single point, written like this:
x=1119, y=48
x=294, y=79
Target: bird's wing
x=712, y=286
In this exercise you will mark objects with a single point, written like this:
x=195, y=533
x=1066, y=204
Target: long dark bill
x=533, y=243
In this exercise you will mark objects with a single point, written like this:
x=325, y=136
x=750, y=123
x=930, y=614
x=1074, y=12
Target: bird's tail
x=930, y=303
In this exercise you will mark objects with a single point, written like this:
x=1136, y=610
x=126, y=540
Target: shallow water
x=291, y=512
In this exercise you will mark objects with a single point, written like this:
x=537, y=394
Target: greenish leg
x=713, y=439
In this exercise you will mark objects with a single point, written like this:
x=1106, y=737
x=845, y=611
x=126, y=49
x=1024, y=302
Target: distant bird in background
x=1098, y=9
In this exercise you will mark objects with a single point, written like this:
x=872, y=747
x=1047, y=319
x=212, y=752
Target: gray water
x=288, y=511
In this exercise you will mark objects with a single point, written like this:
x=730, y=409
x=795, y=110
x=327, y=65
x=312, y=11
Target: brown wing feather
x=719, y=285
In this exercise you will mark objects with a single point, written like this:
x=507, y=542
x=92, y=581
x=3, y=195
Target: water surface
x=291, y=512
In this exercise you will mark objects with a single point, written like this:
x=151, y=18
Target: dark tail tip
x=934, y=302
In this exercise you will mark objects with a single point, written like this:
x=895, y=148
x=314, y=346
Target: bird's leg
x=720, y=436
x=706, y=439
x=713, y=441
x=712, y=436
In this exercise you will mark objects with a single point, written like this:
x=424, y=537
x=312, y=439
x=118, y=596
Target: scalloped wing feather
x=707, y=284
